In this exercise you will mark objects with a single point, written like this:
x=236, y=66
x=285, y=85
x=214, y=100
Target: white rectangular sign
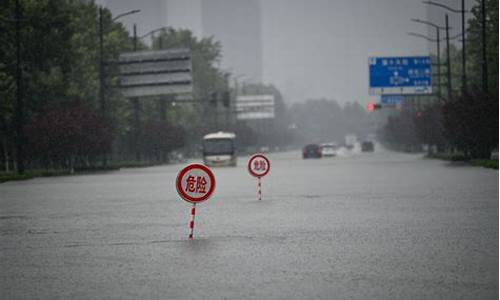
x=250, y=107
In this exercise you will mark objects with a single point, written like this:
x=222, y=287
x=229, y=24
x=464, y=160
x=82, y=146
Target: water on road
x=360, y=225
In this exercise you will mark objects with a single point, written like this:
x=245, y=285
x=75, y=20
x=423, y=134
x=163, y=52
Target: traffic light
x=373, y=106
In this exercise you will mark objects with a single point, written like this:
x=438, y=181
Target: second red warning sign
x=258, y=165
x=195, y=183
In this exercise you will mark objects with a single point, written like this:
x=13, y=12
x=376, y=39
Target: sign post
x=195, y=183
x=259, y=166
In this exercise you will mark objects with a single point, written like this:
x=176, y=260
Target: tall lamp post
x=446, y=28
x=437, y=41
x=483, y=39
x=136, y=106
x=162, y=102
x=152, y=32
x=438, y=54
x=102, y=75
x=19, y=108
x=462, y=11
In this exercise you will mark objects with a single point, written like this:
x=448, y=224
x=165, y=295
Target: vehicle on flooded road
x=219, y=149
x=311, y=151
x=328, y=150
x=367, y=146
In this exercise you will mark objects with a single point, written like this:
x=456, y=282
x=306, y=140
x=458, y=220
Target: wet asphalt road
x=361, y=226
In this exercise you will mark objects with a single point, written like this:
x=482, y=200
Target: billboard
x=400, y=75
x=254, y=107
x=153, y=73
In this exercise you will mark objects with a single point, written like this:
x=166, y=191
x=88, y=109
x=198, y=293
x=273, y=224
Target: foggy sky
x=310, y=48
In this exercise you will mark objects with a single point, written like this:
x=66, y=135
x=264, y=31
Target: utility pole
x=438, y=62
x=102, y=101
x=136, y=108
x=438, y=42
x=19, y=115
x=464, y=69
x=102, y=82
x=462, y=11
x=102, y=70
x=483, y=38
x=448, y=63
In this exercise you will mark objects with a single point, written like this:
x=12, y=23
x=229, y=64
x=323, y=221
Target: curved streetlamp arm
x=444, y=6
x=125, y=14
x=422, y=36
x=430, y=24
x=153, y=31
x=434, y=40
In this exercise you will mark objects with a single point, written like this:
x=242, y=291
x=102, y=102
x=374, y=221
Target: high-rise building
x=236, y=24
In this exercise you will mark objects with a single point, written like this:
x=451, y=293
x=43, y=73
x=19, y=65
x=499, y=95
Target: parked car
x=367, y=146
x=328, y=150
x=311, y=151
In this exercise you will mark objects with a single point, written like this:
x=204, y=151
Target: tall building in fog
x=235, y=23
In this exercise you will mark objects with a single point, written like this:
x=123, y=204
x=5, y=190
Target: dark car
x=311, y=151
x=367, y=146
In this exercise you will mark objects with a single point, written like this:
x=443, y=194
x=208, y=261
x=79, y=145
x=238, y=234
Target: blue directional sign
x=391, y=99
x=401, y=75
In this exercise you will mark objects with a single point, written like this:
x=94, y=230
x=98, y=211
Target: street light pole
x=19, y=109
x=438, y=62
x=162, y=102
x=448, y=63
x=102, y=82
x=464, y=67
x=462, y=11
x=438, y=40
x=102, y=73
x=483, y=39
x=136, y=108
x=438, y=55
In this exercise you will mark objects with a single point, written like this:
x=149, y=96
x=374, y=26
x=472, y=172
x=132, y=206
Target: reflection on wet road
x=365, y=226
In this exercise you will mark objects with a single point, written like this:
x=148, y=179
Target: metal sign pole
x=259, y=187
x=191, y=223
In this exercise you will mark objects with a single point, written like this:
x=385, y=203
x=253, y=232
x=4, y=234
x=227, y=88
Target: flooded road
x=360, y=225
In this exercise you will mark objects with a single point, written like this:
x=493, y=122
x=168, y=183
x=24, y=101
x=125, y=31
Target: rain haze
x=249, y=149
x=308, y=49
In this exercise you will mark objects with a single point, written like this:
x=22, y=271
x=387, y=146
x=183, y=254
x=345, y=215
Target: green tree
x=195, y=117
x=59, y=57
x=474, y=45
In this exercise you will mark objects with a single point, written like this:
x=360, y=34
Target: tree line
x=466, y=120
x=54, y=46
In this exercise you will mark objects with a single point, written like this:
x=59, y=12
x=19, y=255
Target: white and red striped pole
x=259, y=187
x=191, y=222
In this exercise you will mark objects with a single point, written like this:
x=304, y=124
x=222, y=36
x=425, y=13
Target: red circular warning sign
x=195, y=183
x=258, y=165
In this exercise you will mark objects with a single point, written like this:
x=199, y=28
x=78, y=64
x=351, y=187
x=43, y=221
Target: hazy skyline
x=310, y=49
